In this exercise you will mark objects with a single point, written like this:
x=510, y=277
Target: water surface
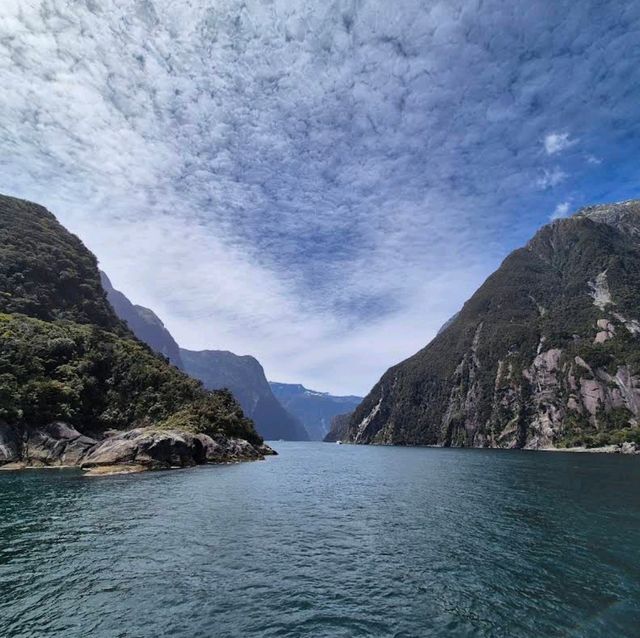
x=328, y=540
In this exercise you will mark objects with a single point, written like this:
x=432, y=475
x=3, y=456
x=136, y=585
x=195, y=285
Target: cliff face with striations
x=545, y=354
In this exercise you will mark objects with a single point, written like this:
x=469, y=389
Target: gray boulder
x=230, y=450
x=149, y=448
x=56, y=444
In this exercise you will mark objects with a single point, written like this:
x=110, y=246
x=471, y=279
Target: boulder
x=56, y=444
x=265, y=450
x=148, y=447
x=229, y=450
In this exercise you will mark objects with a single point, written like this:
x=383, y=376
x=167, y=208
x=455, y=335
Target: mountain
x=73, y=377
x=545, y=353
x=244, y=376
x=314, y=409
x=144, y=323
x=339, y=429
x=217, y=369
x=46, y=272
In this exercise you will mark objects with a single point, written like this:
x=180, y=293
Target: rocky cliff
x=315, y=409
x=546, y=353
x=72, y=375
x=339, y=429
x=245, y=378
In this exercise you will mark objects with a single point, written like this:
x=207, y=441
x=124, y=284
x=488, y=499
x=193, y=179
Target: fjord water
x=328, y=540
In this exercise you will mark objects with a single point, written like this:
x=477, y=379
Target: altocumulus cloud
x=320, y=184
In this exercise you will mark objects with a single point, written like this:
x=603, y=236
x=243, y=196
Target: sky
x=318, y=183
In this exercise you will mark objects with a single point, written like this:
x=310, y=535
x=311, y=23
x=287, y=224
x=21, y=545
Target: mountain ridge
x=314, y=409
x=244, y=376
x=545, y=353
x=143, y=322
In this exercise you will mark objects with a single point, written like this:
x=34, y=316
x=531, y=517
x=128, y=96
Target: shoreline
x=626, y=449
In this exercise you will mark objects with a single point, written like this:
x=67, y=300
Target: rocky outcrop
x=546, y=353
x=72, y=370
x=10, y=444
x=60, y=445
x=56, y=444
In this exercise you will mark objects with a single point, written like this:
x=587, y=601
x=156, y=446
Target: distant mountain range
x=244, y=376
x=545, y=354
x=217, y=369
x=314, y=409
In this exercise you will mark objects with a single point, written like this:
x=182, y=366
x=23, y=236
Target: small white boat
x=338, y=442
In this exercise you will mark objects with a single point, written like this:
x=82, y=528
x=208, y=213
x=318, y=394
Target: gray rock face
x=546, y=353
x=10, y=445
x=148, y=447
x=56, y=444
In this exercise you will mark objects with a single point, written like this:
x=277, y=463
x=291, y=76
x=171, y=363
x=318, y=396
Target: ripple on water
x=328, y=541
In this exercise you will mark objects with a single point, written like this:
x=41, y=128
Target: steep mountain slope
x=46, y=272
x=545, y=353
x=314, y=409
x=339, y=429
x=144, y=323
x=70, y=370
x=244, y=376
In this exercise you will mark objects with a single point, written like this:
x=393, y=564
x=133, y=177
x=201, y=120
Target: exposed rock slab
x=56, y=444
x=60, y=445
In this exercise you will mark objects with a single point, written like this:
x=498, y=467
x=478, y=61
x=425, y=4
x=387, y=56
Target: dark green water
x=328, y=540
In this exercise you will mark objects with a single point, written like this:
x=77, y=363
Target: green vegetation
x=64, y=355
x=46, y=272
x=96, y=380
x=539, y=298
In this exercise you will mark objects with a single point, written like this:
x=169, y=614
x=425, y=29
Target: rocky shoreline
x=59, y=445
x=624, y=448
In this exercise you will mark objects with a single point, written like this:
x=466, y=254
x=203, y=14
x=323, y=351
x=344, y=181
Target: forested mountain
x=244, y=376
x=545, y=353
x=144, y=323
x=66, y=358
x=339, y=429
x=216, y=369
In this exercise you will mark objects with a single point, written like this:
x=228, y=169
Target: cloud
x=318, y=184
x=558, y=142
x=561, y=210
x=551, y=177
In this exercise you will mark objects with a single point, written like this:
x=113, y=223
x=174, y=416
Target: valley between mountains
x=545, y=355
